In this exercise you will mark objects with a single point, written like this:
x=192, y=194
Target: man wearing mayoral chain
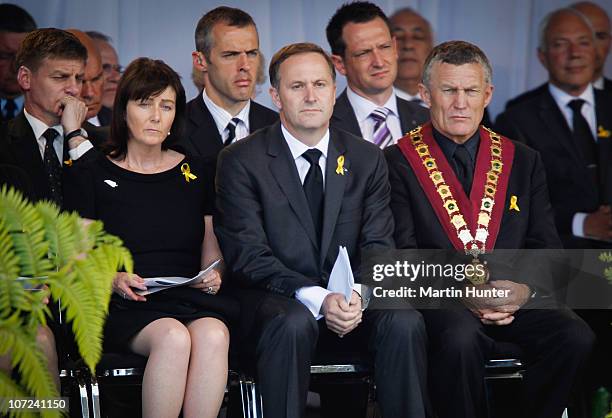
x=459, y=186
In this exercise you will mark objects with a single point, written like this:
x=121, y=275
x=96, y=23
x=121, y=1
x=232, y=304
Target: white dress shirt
x=94, y=121
x=599, y=83
x=311, y=296
x=222, y=118
x=588, y=111
x=39, y=128
x=363, y=108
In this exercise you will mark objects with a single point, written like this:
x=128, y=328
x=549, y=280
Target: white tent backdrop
x=506, y=30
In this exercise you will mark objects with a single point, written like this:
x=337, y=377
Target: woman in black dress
x=160, y=203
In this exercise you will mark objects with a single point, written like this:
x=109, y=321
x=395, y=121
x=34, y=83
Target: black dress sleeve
x=208, y=172
x=79, y=190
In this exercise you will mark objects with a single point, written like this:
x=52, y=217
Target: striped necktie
x=382, y=135
x=231, y=127
x=53, y=167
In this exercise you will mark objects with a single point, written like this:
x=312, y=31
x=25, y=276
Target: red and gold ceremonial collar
x=471, y=223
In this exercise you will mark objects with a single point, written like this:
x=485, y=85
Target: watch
x=77, y=132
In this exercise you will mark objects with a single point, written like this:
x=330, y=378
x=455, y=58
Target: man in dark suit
x=47, y=134
x=112, y=74
x=457, y=186
x=227, y=51
x=15, y=23
x=288, y=197
x=364, y=50
x=600, y=21
x=573, y=145
x=600, y=25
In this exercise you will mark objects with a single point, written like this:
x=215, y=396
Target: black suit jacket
x=264, y=225
x=18, y=147
x=104, y=116
x=411, y=115
x=201, y=137
x=528, y=95
x=539, y=123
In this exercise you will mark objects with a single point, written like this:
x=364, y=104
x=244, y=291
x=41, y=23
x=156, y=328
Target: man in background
x=112, y=73
x=227, y=49
x=364, y=51
x=15, y=23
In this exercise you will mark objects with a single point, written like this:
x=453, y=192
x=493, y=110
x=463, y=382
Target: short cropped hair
x=142, y=79
x=545, y=23
x=49, y=43
x=15, y=19
x=457, y=53
x=294, y=49
x=357, y=12
x=223, y=14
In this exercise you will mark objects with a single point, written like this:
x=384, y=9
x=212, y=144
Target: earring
x=168, y=133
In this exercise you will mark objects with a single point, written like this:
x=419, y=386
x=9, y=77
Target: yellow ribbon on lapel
x=340, y=168
x=68, y=163
x=187, y=173
x=514, y=203
x=603, y=133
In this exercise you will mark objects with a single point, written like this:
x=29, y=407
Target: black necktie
x=231, y=127
x=464, y=167
x=582, y=133
x=10, y=107
x=313, y=188
x=53, y=167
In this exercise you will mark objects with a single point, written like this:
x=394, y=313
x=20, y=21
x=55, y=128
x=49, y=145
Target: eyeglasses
x=109, y=68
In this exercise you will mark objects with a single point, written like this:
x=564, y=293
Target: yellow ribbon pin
x=513, y=203
x=340, y=169
x=187, y=173
x=68, y=163
x=603, y=133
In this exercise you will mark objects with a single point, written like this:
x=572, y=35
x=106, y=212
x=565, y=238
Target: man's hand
x=599, y=224
x=73, y=113
x=499, y=310
x=341, y=317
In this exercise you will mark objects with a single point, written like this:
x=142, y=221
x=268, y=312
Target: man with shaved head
x=414, y=41
x=601, y=25
x=93, y=82
x=569, y=123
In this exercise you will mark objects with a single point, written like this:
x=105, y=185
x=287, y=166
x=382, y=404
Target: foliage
x=76, y=261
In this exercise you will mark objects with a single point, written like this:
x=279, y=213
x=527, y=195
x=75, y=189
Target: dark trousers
x=556, y=343
x=286, y=335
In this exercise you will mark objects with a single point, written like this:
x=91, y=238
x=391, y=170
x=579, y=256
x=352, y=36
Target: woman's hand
x=123, y=283
x=211, y=283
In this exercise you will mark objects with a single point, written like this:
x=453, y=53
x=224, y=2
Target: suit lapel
x=557, y=126
x=27, y=154
x=406, y=116
x=334, y=190
x=603, y=104
x=286, y=175
x=344, y=116
x=206, y=131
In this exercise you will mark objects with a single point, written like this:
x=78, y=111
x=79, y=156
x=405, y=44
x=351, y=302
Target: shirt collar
x=599, y=83
x=94, y=121
x=39, y=127
x=364, y=107
x=449, y=146
x=562, y=98
x=297, y=147
x=222, y=117
x=407, y=96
